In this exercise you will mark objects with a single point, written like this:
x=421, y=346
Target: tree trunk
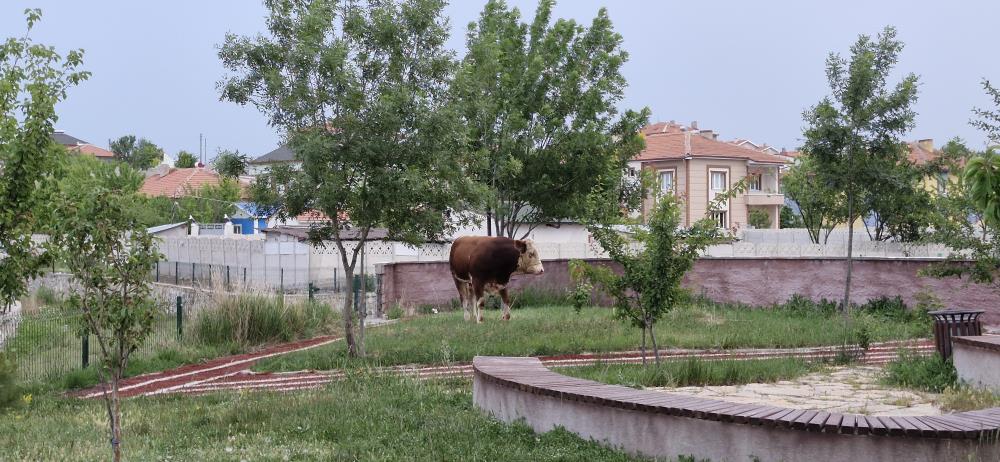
x=363, y=303
x=643, y=349
x=489, y=221
x=348, y=311
x=116, y=421
x=652, y=338
x=850, y=260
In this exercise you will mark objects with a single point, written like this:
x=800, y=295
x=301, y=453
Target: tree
x=541, y=104
x=33, y=79
x=140, y=155
x=820, y=206
x=896, y=205
x=759, y=219
x=231, y=164
x=110, y=257
x=185, y=160
x=362, y=90
x=989, y=119
x=649, y=285
x=855, y=132
x=788, y=218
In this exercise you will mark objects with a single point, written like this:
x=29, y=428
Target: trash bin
x=954, y=323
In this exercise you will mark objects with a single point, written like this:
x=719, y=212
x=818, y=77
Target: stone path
x=851, y=389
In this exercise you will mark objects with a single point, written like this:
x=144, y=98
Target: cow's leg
x=477, y=300
x=505, y=297
x=463, y=295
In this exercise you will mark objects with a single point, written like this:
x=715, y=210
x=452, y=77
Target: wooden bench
x=530, y=376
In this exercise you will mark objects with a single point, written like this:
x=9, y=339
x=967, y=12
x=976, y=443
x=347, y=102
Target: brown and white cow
x=482, y=264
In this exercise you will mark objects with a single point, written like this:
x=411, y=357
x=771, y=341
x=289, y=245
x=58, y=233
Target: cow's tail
x=467, y=281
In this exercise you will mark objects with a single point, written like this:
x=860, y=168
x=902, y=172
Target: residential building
x=694, y=165
x=282, y=155
x=922, y=152
x=78, y=146
x=166, y=181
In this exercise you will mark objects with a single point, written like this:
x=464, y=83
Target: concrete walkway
x=849, y=389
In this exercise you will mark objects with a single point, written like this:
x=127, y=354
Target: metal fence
x=271, y=279
x=47, y=344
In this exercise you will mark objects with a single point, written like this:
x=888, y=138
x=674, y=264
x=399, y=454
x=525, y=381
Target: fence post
x=312, y=289
x=378, y=295
x=85, y=349
x=244, y=276
x=177, y=273
x=228, y=285
x=336, y=281
x=282, y=280
x=357, y=289
x=193, y=279
x=157, y=271
x=180, y=317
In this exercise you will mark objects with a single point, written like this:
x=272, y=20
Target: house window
x=942, y=184
x=721, y=219
x=667, y=181
x=237, y=229
x=719, y=182
x=756, y=181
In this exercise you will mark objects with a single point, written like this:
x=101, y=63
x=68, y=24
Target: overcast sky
x=746, y=69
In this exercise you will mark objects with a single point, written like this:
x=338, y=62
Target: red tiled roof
x=178, y=182
x=680, y=144
x=919, y=155
x=92, y=150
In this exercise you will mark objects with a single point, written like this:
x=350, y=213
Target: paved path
x=233, y=372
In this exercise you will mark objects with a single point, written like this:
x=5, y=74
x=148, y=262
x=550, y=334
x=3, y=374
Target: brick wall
x=757, y=281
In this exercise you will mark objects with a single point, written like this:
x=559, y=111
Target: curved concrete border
x=658, y=424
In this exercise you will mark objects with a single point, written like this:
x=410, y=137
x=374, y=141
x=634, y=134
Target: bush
x=395, y=313
x=253, y=319
x=47, y=296
x=759, y=219
x=927, y=373
x=801, y=305
x=893, y=309
x=9, y=392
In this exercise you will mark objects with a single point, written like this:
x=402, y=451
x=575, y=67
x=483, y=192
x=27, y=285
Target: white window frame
x=237, y=228
x=712, y=193
x=673, y=180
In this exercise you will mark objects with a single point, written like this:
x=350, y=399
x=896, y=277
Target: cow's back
x=491, y=259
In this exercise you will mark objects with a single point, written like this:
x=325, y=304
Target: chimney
x=694, y=124
x=926, y=144
x=687, y=143
x=708, y=134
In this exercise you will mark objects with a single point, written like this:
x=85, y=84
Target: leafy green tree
x=855, y=132
x=140, y=155
x=989, y=119
x=788, y=218
x=109, y=256
x=759, y=219
x=185, y=160
x=821, y=207
x=362, y=89
x=231, y=164
x=897, y=206
x=540, y=101
x=33, y=79
x=652, y=266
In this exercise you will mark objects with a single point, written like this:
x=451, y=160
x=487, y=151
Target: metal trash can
x=954, y=323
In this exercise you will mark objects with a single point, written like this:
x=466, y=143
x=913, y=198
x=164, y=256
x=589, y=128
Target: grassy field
x=695, y=372
x=446, y=337
x=364, y=417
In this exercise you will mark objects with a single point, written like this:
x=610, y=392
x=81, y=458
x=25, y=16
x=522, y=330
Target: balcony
x=764, y=198
x=762, y=187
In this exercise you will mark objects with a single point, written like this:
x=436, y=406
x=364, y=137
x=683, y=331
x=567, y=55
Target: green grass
x=923, y=373
x=557, y=330
x=695, y=372
x=364, y=417
x=254, y=319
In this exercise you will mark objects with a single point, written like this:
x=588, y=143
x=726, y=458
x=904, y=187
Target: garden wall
x=755, y=281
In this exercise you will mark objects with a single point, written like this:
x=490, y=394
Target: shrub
x=9, y=392
x=759, y=219
x=253, y=319
x=396, y=312
x=964, y=398
x=802, y=305
x=47, y=296
x=425, y=309
x=927, y=373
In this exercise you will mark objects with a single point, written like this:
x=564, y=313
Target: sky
x=746, y=69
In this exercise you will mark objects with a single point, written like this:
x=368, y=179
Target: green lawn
x=382, y=418
x=694, y=372
x=446, y=337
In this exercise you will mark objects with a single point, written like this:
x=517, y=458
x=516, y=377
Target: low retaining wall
x=657, y=424
x=977, y=360
x=757, y=281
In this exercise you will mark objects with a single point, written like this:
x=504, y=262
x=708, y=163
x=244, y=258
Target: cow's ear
x=521, y=246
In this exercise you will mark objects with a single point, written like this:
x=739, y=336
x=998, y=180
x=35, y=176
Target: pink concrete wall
x=755, y=281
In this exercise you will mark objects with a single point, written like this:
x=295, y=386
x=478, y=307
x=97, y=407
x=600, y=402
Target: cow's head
x=529, y=262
